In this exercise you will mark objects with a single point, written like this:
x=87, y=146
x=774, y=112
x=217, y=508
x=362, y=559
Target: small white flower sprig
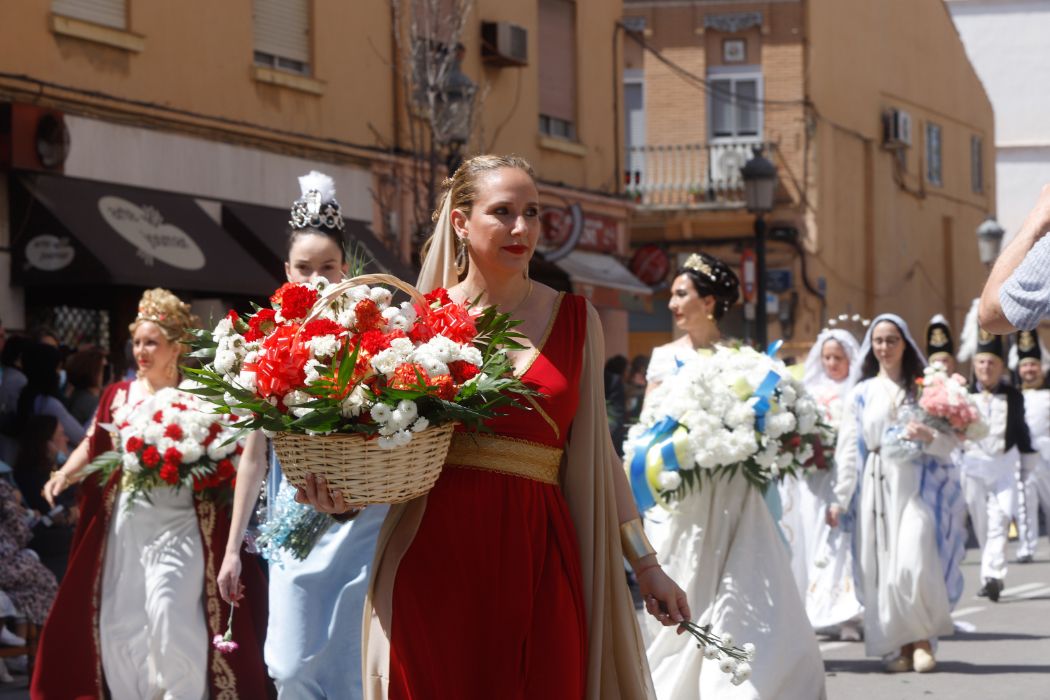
x=733, y=660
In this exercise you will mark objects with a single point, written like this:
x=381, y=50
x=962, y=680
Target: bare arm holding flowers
x=250, y=473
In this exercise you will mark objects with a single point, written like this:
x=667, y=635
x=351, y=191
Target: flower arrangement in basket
x=356, y=388
x=735, y=411
x=172, y=439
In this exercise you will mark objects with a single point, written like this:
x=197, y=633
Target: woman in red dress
x=506, y=580
x=70, y=661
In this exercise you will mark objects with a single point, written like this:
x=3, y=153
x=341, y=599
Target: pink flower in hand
x=224, y=645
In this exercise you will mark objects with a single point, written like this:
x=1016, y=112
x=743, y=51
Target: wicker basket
x=363, y=471
x=355, y=465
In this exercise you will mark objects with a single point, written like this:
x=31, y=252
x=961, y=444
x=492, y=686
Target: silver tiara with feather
x=317, y=207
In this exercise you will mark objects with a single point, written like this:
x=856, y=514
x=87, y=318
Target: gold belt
x=506, y=456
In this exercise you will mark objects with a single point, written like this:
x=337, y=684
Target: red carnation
x=151, y=457
x=172, y=454
x=173, y=431
x=407, y=376
x=369, y=317
x=439, y=295
x=170, y=472
x=134, y=444
x=233, y=316
x=158, y=417
x=462, y=371
x=294, y=300
x=319, y=327
x=213, y=430
x=420, y=332
x=180, y=406
x=225, y=470
x=445, y=389
x=261, y=324
x=373, y=342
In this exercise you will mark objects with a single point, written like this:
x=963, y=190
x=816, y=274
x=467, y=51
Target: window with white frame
x=109, y=13
x=735, y=105
x=933, y=154
x=634, y=125
x=282, y=34
x=977, y=164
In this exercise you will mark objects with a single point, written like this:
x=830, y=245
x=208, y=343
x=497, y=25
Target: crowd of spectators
x=48, y=396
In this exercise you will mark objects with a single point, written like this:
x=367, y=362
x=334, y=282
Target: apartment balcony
x=689, y=176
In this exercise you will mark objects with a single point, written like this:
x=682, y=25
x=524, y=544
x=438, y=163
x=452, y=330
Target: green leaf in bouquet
x=346, y=366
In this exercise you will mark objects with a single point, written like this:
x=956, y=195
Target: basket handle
x=333, y=292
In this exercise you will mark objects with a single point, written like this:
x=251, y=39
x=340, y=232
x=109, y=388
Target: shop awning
x=252, y=224
x=605, y=281
x=69, y=231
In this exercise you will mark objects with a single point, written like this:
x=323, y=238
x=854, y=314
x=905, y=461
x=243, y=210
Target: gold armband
x=634, y=542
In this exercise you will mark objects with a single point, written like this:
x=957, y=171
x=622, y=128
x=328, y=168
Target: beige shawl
x=616, y=666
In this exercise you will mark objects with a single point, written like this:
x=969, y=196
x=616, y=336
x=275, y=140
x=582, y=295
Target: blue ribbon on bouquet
x=763, y=395
x=654, y=452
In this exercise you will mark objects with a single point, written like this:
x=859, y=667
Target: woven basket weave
x=363, y=471
x=355, y=465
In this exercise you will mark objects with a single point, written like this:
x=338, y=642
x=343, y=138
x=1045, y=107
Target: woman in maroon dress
x=506, y=580
x=70, y=659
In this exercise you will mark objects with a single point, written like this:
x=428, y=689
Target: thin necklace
x=520, y=303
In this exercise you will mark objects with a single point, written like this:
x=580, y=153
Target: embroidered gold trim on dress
x=505, y=455
x=222, y=676
x=538, y=350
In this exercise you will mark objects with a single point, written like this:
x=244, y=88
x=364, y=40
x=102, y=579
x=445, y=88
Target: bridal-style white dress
x=722, y=547
x=908, y=552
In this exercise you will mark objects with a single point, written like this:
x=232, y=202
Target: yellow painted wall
x=864, y=58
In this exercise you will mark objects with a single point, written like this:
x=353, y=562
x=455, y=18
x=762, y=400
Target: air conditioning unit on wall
x=896, y=128
x=504, y=44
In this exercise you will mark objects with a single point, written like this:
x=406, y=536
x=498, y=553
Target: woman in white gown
x=722, y=545
x=907, y=539
x=821, y=557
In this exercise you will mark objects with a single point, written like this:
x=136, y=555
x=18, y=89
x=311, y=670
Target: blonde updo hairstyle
x=169, y=313
x=461, y=190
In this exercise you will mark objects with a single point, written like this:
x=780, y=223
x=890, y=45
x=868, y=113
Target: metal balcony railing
x=701, y=175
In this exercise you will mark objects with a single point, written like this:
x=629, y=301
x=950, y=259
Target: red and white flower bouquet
x=173, y=438
x=335, y=359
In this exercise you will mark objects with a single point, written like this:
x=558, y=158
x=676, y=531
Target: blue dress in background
x=313, y=637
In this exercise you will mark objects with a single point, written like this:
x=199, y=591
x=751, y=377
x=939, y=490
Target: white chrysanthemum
x=323, y=346
x=130, y=462
x=223, y=329
x=381, y=413
x=354, y=404
x=381, y=296
x=420, y=425
x=669, y=481
x=779, y=424
x=191, y=451
x=225, y=360
x=358, y=293
x=409, y=312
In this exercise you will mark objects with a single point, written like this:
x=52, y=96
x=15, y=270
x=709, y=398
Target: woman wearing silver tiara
x=908, y=538
x=820, y=555
x=313, y=636
x=722, y=544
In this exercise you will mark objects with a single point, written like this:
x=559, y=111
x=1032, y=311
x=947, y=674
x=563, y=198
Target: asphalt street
x=1000, y=651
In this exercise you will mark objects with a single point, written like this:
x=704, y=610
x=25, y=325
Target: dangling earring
x=462, y=244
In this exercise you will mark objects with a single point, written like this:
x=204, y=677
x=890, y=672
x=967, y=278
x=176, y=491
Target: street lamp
x=454, y=110
x=989, y=240
x=760, y=182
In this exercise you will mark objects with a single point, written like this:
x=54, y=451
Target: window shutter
x=557, y=70
x=282, y=28
x=722, y=107
x=747, y=107
x=111, y=13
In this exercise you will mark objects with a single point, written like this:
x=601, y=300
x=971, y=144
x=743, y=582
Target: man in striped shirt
x=1017, y=294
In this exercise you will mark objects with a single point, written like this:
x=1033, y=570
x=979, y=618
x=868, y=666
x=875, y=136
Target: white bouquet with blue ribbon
x=734, y=411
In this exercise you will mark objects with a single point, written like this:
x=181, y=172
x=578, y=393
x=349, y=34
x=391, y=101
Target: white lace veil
x=813, y=376
x=439, y=266
x=865, y=347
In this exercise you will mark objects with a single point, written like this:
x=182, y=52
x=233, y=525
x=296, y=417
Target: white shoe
x=10, y=639
x=18, y=664
x=923, y=661
x=850, y=632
